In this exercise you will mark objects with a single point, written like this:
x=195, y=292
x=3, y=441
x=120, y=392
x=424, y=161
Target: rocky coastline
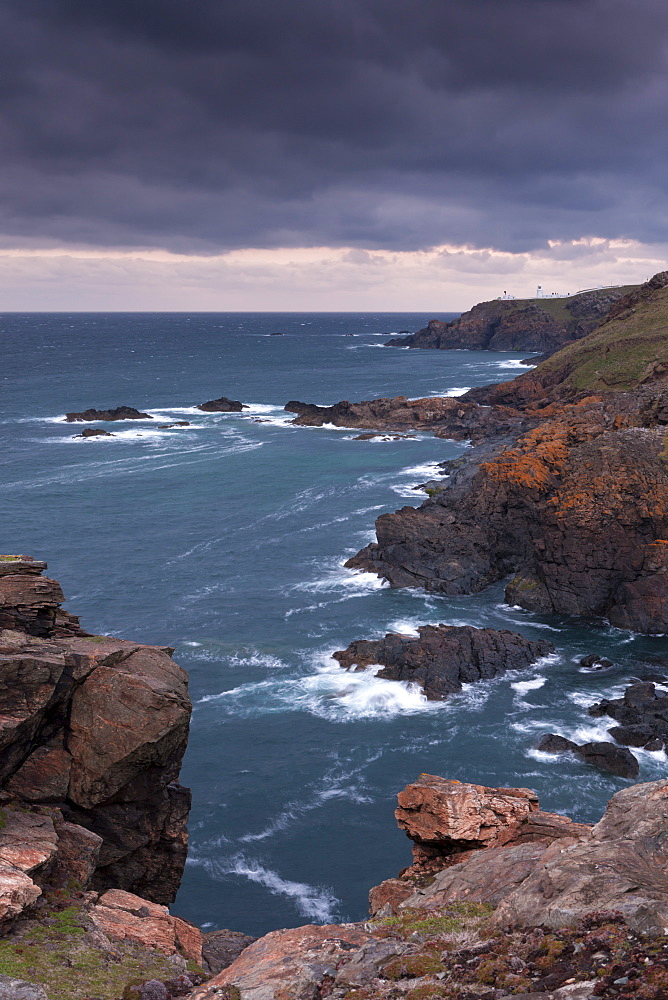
x=565, y=491
x=572, y=506
x=544, y=325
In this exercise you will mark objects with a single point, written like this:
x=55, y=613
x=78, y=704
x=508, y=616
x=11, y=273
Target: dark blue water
x=226, y=539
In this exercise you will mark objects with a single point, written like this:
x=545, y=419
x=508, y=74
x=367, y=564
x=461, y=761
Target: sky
x=417, y=155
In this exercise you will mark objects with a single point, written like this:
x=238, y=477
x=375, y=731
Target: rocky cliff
x=543, y=325
x=502, y=900
x=93, y=732
x=574, y=507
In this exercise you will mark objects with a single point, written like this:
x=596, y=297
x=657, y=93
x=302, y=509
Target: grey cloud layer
x=215, y=124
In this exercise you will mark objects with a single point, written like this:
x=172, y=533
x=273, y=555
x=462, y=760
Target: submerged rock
x=119, y=413
x=223, y=405
x=444, y=657
x=616, y=760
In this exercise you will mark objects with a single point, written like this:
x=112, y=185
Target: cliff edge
x=543, y=325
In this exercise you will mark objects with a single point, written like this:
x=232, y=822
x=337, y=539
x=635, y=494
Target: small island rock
x=119, y=413
x=222, y=405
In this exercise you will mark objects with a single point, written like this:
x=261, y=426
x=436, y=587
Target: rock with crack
x=288, y=963
x=123, y=916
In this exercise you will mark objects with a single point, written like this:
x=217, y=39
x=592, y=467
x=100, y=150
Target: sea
x=226, y=539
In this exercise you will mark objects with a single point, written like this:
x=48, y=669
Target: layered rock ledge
x=93, y=732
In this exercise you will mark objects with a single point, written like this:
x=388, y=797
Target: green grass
x=58, y=957
x=617, y=356
x=456, y=917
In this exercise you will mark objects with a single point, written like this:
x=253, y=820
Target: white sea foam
x=342, y=696
x=405, y=626
x=513, y=364
x=457, y=391
x=315, y=902
x=353, y=582
x=523, y=687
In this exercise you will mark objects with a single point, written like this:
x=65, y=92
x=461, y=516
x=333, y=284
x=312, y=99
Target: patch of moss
x=95, y=638
x=455, y=918
x=10, y=558
x=58, y=956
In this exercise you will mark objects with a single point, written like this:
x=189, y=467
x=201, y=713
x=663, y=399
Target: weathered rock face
x=123, y=916
x=95, y=729
x=517, y=325
x=118, y=413
x=444, y=656
x=549, y=881
x=222, y=405
x=287, y=963
x=577, y=509
x=447, y=417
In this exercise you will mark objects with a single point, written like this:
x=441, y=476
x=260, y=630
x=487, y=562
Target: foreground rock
x=223, y=405
x=93, y=731
x=119, y=413
x=517, y=325
x=606, y=756
x=444, y=657
x=525, y=903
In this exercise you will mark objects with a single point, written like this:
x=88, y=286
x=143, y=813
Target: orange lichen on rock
x=537, y=461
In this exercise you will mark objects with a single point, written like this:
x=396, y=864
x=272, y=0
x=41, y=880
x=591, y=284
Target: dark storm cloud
x=211, y=124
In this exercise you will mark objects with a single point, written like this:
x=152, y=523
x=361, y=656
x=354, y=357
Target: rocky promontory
x=544, y=325
x=444, y=416
x=502, y=900
x=443, y=657
x=574, y=506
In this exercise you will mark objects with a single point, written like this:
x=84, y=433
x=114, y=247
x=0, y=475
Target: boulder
x=19, y=989
x=123, y=916
x=444, y=657
x=119, y=413
x=223, y=405
x=288, y=963
x=17, y=892
x=90, y=432
x=642, y=713
x=28, y=842
x=617, y=760
x=221, y=948
x=77, y=855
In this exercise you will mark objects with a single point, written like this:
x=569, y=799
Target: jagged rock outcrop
x=544, y=325
x=446, y=416
x=606, y=756
x=223, y=405
x=93, y=732
x=444, y=657
x=118, y=413
x=550, y=881
x=530, y=905
x=642, y=714
x=122, y=916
